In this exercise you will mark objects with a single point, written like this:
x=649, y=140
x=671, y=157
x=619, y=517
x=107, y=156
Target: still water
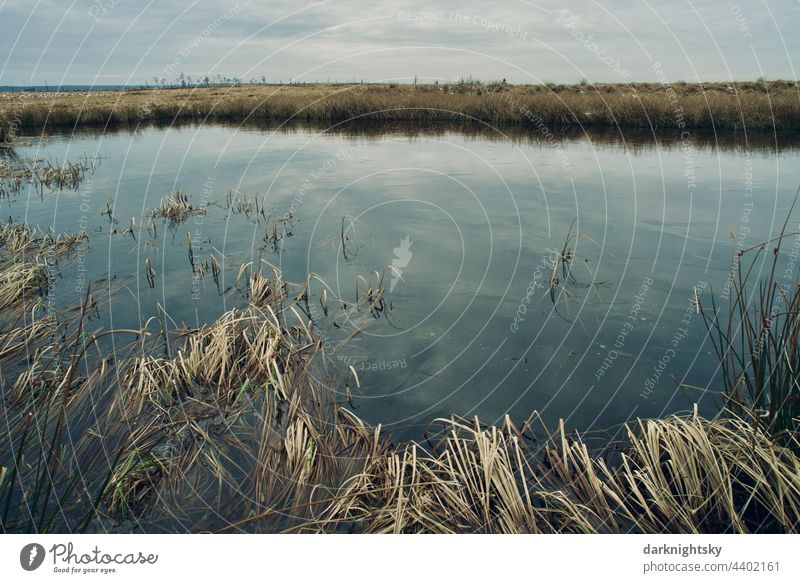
x=465, y=227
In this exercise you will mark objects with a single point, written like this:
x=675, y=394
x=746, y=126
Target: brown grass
x=674, y=475
x=20, y=281
x=239, y=414
x=17, y=174
x=176, y=208
x=736, y=105
x=19, y=240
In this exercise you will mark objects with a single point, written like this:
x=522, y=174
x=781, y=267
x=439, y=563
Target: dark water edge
x=631, y=138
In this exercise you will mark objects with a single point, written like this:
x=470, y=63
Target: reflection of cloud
x=131, y=41
x=402, y=257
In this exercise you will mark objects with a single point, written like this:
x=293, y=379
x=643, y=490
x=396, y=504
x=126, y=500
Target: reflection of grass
x=6, y=133
x=750, y=105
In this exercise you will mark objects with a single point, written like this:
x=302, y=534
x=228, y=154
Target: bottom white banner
x=405, y=558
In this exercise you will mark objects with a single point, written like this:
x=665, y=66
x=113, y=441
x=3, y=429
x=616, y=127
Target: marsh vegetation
x=722, y=106
x=246, y=422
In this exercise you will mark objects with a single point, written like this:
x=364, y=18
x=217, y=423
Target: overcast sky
x=126, y=41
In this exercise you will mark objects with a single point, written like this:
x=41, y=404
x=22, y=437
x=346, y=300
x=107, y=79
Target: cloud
x=119, y=41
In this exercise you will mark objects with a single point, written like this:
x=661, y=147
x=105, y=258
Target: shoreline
x=740, y=107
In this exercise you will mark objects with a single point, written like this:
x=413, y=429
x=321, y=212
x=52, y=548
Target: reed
x=757, y=338
x=735, y=105
x=237, y=404
x=176, y=208
x=674, y=475
x=23, y=281
x=55, y=470
x=27, y=334
x=19, y=240
x=17, y=174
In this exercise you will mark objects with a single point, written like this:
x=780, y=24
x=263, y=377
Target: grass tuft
x=176, y=208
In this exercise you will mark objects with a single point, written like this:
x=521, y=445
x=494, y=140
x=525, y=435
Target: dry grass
x=236, y=431
x=25, y=253
x=20, y=240
x=751, y=105
x=22, y=338
x=236, y=415
x=176, y=208
x=16, y=174
x=54, y=455
x=22, y=281
x=676, y=475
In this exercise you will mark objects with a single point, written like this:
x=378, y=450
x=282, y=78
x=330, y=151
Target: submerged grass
x=237, y=414
x=735, y=105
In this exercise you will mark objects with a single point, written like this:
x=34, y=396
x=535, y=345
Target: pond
x=551, y=273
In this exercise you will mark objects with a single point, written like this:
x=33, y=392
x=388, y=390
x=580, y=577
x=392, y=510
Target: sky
x=106, y=42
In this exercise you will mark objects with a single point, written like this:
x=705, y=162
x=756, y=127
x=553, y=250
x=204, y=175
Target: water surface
x=469, y=223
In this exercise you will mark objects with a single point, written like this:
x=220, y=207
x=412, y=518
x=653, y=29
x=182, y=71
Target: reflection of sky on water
x=481, y=216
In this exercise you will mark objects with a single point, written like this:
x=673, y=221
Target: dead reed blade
x=150, y=273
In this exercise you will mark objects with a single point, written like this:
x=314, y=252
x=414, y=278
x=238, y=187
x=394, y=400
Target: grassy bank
x=734, y=106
